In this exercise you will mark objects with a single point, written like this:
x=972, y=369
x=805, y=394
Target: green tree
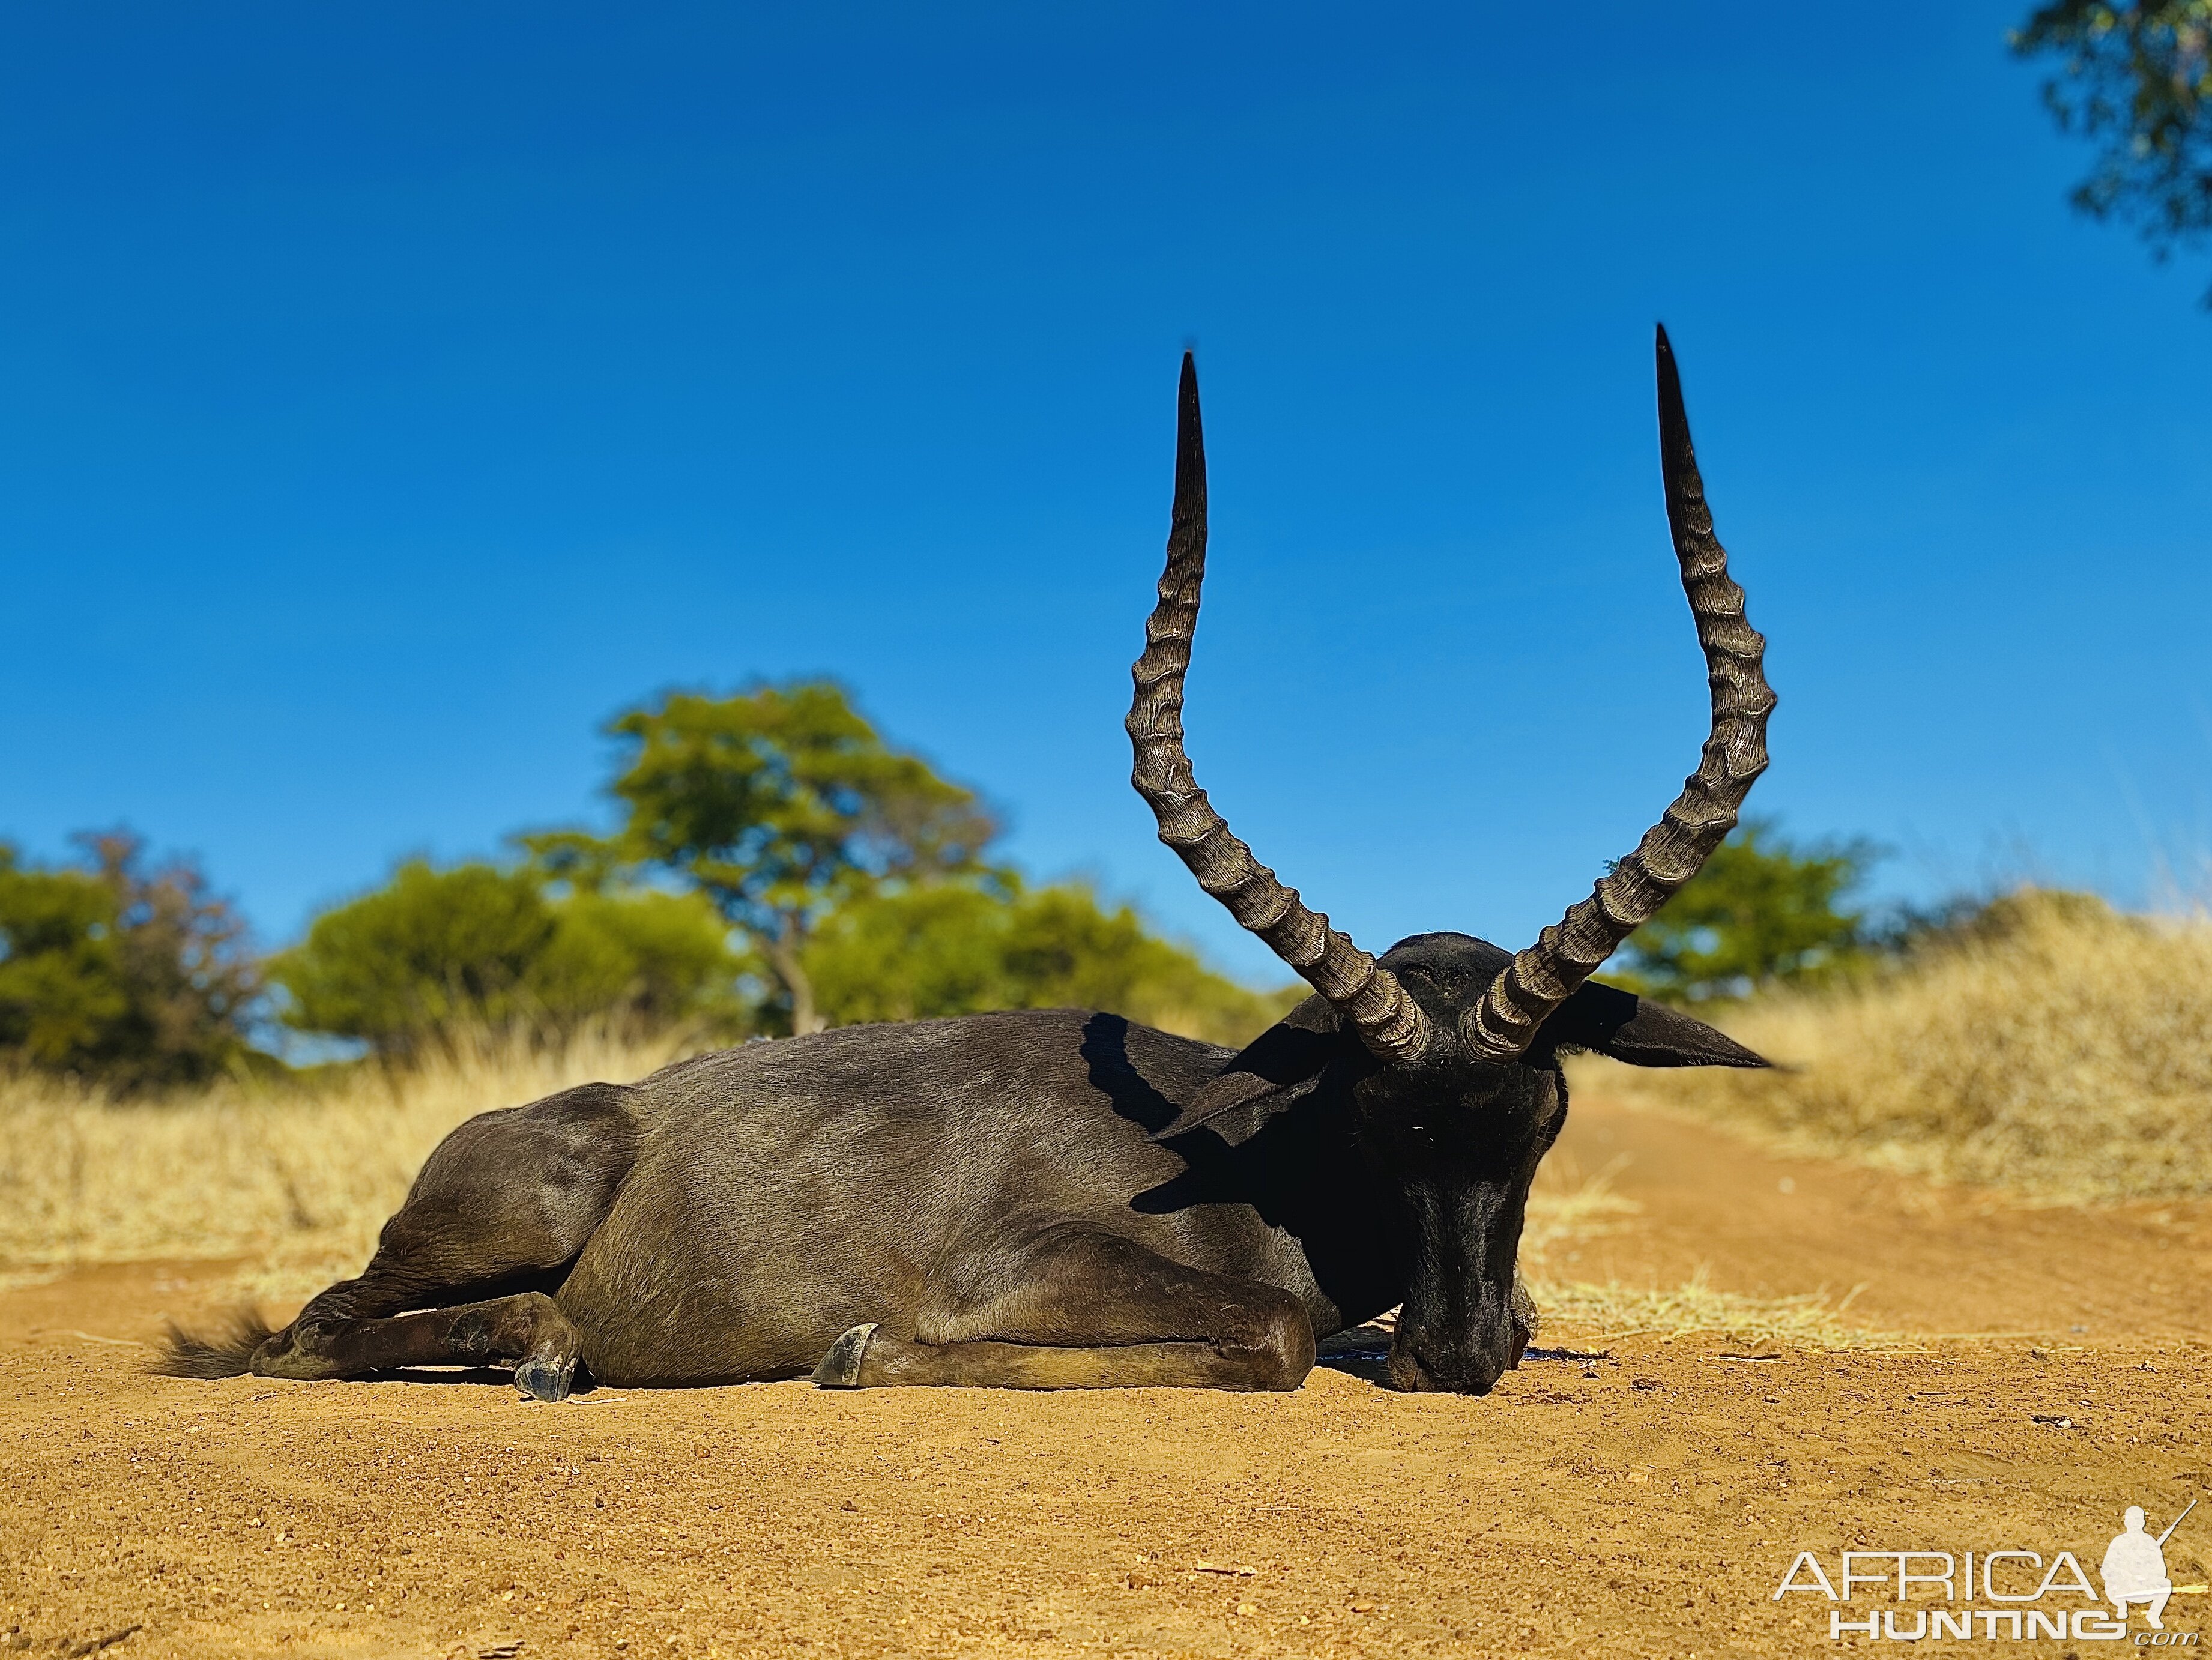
x=960, y=948
x=660, y=958
x=433, y=950
x=2134, y=78
x=780, y=804
x=1762, y=912
x=108, y=969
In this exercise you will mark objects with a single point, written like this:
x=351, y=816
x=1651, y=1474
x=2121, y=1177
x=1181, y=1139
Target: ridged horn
x=1502, y=1025
x=1389, y=1022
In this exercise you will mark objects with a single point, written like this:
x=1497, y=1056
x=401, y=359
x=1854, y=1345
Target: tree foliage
x=2134, y=78
x=138, y=977
x=780, y=804
x=474, y=945
x=855, y=875
x=854, y=871
x=960, y=948
x=1762, y=912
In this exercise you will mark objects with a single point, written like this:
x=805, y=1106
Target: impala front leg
x=1080, y=1309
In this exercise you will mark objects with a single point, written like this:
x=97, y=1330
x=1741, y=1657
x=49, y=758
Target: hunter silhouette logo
x=2029, y=1595
x=2133, y=1569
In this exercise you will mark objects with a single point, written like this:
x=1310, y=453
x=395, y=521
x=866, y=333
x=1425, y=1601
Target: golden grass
x=296, y=1181
x=2060, y=1050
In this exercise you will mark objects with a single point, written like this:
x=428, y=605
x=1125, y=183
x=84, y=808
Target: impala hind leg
x=1075, y=1308
x=530, y=1329
x=502, y=1206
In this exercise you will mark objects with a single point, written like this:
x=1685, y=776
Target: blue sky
x=388, y=396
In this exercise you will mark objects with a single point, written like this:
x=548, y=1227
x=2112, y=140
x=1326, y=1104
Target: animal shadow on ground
x=1363, y=1352
x=477, y=1375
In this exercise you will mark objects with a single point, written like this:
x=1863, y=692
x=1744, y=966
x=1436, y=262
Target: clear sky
x=388, y=395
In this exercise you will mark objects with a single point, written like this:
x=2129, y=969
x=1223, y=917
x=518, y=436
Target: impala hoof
x=840, y=1367
x=543, y=1379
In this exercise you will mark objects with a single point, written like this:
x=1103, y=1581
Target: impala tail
x=224, y=1353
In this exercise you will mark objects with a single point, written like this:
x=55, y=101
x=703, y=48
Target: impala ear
x=1641, y=1033
x=1285, y=1061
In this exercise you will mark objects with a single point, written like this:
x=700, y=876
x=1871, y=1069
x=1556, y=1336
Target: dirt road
x=1649, y=1503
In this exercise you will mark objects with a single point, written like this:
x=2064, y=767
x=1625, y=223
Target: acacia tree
x=2137, y=79
x=781, y=804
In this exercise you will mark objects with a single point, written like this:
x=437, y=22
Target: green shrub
x=960, y=948
x=133, y=977
x=475, y=944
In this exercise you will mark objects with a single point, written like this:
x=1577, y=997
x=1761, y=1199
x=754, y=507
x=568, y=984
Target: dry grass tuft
x=2059, y=1050
x=1815, y=1320
x=297, y=1183
x=1567, y=1207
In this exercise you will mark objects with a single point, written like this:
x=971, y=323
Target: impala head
x=1449, y=1047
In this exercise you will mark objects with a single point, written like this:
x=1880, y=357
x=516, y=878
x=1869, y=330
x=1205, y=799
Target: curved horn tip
x=1388, y=1019
x=1543, y=976
x=1190, y=444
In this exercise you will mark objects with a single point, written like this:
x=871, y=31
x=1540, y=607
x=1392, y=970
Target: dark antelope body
x=1058, y=1199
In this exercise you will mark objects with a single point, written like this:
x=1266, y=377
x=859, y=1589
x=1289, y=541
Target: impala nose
x=1461, y=1350
x=1418, y=1369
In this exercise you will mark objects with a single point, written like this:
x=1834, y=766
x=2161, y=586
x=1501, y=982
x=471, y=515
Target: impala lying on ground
x=1057, y=1199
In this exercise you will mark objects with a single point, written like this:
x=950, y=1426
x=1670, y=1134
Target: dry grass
x=1815, y=1320
x=1567, y=1207
x=297, y=1184
x=2060, y=1050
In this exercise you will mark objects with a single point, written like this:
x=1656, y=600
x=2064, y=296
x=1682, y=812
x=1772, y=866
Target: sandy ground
x=1644, y=1503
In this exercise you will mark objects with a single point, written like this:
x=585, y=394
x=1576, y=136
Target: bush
x=435, y=951
x=958, y=948
x=133, y=977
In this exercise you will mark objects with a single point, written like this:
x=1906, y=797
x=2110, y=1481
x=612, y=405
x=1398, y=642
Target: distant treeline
x=777, y=867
